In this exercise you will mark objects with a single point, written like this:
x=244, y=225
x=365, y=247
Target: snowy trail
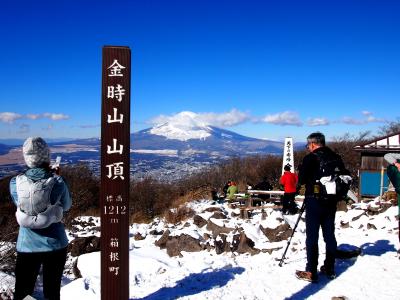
x=375, y=274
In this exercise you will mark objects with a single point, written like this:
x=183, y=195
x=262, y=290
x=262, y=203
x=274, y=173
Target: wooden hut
x=373, y=179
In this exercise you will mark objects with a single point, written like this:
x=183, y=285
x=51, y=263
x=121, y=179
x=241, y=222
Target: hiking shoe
x=307, y=276
x=330, y=273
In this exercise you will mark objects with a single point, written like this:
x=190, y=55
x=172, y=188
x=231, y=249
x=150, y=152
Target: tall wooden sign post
x=115, y=167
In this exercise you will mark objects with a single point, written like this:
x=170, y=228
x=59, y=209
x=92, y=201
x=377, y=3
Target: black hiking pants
x=320, y=214
x=27, y=269
x=288, y=204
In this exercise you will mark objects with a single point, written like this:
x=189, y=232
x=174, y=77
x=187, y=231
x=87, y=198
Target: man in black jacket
x=320, y=209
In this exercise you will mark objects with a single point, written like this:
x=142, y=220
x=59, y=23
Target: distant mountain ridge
x=170, y=150
x=4, y=149
x=17, y=142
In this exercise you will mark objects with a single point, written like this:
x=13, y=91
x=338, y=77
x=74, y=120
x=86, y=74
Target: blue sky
x=266, y=69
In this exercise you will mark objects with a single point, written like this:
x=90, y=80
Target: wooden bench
x=245, y=212
x=248, y=199
x=245, y=201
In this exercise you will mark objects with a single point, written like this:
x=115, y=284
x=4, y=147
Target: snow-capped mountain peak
x=183, y=126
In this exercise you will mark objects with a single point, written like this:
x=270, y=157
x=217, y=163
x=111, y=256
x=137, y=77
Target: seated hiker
x=232, y=190
x=217, y=195
x=289, y=182
x=214, y=194
x=263, y=185
x=225, y=188
x=393, y=172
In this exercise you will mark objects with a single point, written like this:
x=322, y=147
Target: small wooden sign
x=115, y=169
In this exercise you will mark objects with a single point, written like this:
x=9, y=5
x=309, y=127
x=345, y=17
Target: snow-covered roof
x=389, y=143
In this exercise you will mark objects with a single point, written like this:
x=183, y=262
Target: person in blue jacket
x=393, y=172
x=44, y=247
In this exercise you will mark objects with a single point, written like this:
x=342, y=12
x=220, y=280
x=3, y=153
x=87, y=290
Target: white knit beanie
x=36, y=152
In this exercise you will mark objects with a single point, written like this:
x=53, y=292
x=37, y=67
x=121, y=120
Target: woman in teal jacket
x=46, y=247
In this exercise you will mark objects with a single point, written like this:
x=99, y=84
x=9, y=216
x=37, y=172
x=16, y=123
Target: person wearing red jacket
x=289, y=182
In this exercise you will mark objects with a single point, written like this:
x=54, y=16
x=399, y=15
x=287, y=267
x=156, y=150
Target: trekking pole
x=303, y=206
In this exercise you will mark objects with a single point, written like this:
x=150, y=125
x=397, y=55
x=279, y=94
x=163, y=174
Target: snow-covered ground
x=375, y=274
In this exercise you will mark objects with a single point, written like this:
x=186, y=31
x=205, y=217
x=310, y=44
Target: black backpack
x=331, y=164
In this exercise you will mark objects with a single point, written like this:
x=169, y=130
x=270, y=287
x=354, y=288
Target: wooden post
x=115, y=169
x=245, y=213
x=242, y=213
x=288, y=158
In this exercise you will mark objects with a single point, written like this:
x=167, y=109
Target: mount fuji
x=186, y=135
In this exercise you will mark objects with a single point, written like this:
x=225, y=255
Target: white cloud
x=235, y=117
x=9, y=117
x=231, y=118
x=48, y=127
x=369, y=118
x=227, y=119
x=89, y=126
x=366, y=113
x=283, y=118
x=55, y=117
x=352, y=121
x=24, y=128
x=33, y=116
x=317, y=121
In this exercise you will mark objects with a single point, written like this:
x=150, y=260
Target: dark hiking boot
x=307, y=276
x=328, y=272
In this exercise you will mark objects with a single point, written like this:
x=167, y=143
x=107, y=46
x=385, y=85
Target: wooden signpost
x=115, y=168
x=288, y=154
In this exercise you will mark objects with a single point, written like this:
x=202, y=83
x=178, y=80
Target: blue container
x=370, y=183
